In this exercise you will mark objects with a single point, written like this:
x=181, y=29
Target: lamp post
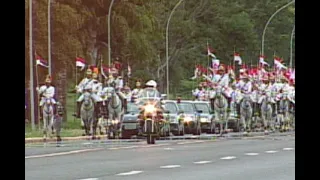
x=268, y=22
x=167, y=45
x=291, y=45
x=109, y=34
x=31, y=68
x=49, y=38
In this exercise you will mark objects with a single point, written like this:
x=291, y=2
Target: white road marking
x=170, y=166
x=89, y=179
x=62, y=153
x=288, y=149
x=270, y=152
x=190, y=142
x=87, y=143
x=168, y=148
x=156, y=145
x=228, y=157
x=252, y=154
x=129, y=173
x=113, y=148
x=202, y=162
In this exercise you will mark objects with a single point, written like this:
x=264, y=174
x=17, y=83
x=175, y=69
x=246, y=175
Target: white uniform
x=119, y=83
x=135, y=92
x=274, y=91
x=46, y=92
x=96, y=87
x=265, y=88
x=223, y=82
x=86, y=82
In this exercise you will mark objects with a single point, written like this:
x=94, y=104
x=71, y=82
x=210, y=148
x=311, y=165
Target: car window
x=202, y=107
x=186, y=107
x=171, y=106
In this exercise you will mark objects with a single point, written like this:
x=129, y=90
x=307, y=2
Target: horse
x=283, y=115
x=220, y=110
x=115, y=112
x=103, y=120
x=48, y=117
x=266, y=113
x=57, y=123
x=246, y=112
x=87, y=114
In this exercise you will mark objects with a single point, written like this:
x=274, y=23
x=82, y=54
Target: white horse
x=266, y=113
x=283, y=114
x=115, y=112
x=220, y=110
x=246, y=112
x=87, y=114
x=48, y=117
x=103, y=122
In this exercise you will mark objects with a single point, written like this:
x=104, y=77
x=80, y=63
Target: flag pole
x=75, y=97
x=38, y=95
x=208, y=58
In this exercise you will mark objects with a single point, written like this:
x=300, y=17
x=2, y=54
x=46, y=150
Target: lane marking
x=252, y=154
x=129, y=173
x=168, y=148
x=170, y=166
x=113, y=148
x=87, y=143
x=190, y=142
x=63, y=153
x=154, y=145
x=270, y=152
x=202, y=162
x=228, y=157
x=288, y=149
x=89, y=179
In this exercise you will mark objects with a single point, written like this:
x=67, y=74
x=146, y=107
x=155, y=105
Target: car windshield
x=186, y=107
x=131, y=107
x=171, y=106
x=202, y=107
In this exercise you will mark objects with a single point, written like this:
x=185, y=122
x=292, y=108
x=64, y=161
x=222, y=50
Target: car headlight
x=149, y=108
x=204, y=119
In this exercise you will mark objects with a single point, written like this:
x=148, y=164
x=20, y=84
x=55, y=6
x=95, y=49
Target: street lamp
x=109, y=39
x=268, y=22
x=167, y=46
x=49, y=37
x=31, y=68
x=291, y=45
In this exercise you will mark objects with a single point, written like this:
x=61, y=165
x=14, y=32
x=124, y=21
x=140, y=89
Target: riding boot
x=212, y=103
x=278, y=106
x=125, y=105
x=54, y=109
x=97, y=109
x=238, y=110
x=78, y=109
x=258, y=109
x=229, y=104
x=40, y=112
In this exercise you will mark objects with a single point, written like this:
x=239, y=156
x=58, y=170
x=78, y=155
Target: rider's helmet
x=151, y=83
x=89, y=72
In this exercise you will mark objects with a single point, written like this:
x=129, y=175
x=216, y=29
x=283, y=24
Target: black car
x=130, y=126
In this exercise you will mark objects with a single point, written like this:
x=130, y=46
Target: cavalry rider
x=126, y=91
x=291, y=95
x=245, y=89
x=136, y=90
x=87, y=85
x=222, y=82
x=119, y=83
x=96, y=85
x=199, y=93
x=47, y=91
x=264, y=89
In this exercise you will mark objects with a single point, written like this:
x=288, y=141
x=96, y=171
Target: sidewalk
x=54, y=139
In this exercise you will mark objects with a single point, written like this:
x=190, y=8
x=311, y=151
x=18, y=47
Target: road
x=269, y=157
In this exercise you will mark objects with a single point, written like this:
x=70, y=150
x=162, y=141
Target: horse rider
x=223, y=82
x=274, y=88
x=111, y=81
x=199, y=93
x=87, y=85
x=264, y=89
x=96, y=85
x=47, y=91
x=245, y=89
x=136, y=90
x=119, y=83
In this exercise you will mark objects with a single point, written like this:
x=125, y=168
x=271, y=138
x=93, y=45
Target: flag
x=237, y=58
x=210, y=53
x=129, y=71
x=261, y=60
x=40, y=61
x=80, y=62
x=196, y=72
x=292, y=75
x=278, y=63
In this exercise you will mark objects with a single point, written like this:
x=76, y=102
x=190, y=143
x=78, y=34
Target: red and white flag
x=278, y=63
x=80, y=62
x=210, y=53
x=261, y=60
x=40, y=61
x=237, y=58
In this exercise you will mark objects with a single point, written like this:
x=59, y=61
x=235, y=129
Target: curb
x=54, y=139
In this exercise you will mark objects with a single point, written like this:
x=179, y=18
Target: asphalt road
x=261, y=158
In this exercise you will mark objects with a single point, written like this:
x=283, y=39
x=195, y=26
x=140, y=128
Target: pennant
x=237, y=58
x=41, y=62
x=80, y=62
